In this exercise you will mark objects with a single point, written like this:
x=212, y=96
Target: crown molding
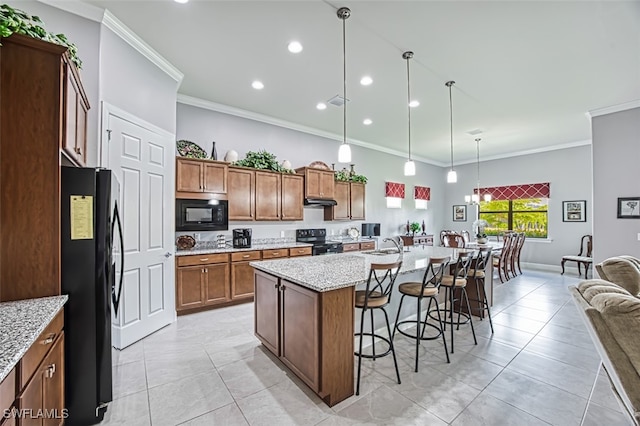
x=614, y=108
x=110, y=21
x=226, y=109
x=530, y=151
x=121, y=30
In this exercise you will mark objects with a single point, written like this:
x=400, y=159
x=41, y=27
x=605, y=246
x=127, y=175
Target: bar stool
x=377, y=295
x=457, y=281
x=428, y=288
x=477, y=273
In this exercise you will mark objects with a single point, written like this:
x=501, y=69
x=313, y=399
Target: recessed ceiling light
x=181, y=1
x=257, y=84
x=367, y=121
x=295, y=47
x=414, y=104
x=366, y=80
x=321, y=106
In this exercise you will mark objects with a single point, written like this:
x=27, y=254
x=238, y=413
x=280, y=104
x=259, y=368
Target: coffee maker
x=242, y=238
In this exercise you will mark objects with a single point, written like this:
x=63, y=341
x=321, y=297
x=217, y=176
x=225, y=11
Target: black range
x=318, y=237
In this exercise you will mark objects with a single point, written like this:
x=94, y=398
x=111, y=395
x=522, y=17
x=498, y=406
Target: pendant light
x=344, y=153
x=452, y=176
x=475, y=198
x=409, y=166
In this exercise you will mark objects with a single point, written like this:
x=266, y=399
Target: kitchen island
x=304, y=312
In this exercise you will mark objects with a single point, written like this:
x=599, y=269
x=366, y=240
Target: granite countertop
x=259, y=246
x=334, y=271
x=21, y=324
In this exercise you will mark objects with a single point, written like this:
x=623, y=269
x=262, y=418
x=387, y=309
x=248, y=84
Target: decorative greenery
x=346, y=176
x=359, y=178
x=262, y=160
x=414, y=227
x=16, y=21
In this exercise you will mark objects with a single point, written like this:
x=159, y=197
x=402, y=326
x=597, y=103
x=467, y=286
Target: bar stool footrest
x=413, y=336
x=377, y=336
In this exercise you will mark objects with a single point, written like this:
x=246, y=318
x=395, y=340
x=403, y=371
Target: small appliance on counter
x=242, y=238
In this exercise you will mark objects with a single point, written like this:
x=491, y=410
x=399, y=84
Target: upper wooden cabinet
x=241, y=195
x=200, y=176
x=350, y=197
x=77, y=107
x=43, y=112
x=318, y=183
x=264, y=195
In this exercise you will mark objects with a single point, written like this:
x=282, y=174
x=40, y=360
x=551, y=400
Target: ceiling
x=526, y=72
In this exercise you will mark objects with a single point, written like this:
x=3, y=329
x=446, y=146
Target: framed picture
x=460, y=213
x=629, y=208
x=574, y=211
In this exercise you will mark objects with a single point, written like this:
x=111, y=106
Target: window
x=526, y=214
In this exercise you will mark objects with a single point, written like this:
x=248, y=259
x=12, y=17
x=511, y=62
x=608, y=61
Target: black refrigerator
x=92, y=248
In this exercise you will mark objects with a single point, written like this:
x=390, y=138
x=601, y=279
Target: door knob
x=168, y=254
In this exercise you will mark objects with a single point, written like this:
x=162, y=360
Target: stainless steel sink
x=381, y=252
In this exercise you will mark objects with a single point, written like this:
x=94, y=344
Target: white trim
x=225, y=109
x=539, y=240
x=85, y=10
x=614, y=108
x=530, y=151
x=569, y=271
x=109, y=109
x=125, y=33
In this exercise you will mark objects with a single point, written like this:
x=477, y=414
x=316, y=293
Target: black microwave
x=202, y=215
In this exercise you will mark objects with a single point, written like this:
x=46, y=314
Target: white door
x=141, y=156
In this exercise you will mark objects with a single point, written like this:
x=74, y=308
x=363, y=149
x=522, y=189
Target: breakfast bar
x=304, y=312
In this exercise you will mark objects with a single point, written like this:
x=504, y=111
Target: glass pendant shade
x=409, y=168
x=452, y=176
x=487, y=197
x=344, y=154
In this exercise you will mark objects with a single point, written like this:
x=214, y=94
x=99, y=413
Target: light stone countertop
x=213, y=250
x=21, y=322
x=334, y=271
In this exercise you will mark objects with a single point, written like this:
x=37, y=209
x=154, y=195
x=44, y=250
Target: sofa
x=611, y=312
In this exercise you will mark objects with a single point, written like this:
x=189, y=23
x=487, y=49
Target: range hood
x=319, y=202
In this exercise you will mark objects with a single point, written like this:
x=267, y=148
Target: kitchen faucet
x=396, y=243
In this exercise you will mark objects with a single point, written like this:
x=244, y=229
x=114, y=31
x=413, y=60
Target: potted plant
x=480, y=225
x=262, y=160
x=414, y=227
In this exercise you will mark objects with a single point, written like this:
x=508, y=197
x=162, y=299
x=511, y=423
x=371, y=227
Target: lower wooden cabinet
x=368, y=245
x=37, y=382
x=202, y=280
x=311, y=332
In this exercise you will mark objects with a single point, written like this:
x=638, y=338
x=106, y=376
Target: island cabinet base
x=311, y=332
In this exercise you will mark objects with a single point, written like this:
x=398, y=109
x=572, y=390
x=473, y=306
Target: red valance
x=517, y=192
x=393, y=189
x=421, y=193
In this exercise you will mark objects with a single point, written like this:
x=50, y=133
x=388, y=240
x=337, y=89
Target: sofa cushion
x=624, y=271
x=591, y=288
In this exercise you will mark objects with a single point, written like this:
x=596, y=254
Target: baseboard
x=569, y=270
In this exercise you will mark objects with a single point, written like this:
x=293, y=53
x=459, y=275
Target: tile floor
x=539, y=367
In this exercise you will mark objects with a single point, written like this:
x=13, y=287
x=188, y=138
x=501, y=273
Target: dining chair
x=501, y=260
x=583, y=257
x=453, y=239
x=428, y=288
x=376, y=296
x=477, y=273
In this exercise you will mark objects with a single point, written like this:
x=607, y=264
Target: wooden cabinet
x=300, y=251
x=241, y=193
x=369, y=245
x=292, y=197
x=350, y=197
x=275, y=253
x=75, y=122
x=200, y=177
x=202, y=280
x=318, y=183
x=35, y=386
x=42, y=114
x=242, y=274
x=311, y=332
x=426, y=240
x=268, y=196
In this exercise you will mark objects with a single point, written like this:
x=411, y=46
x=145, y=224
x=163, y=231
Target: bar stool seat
x=427, y=289
x=448, y=281
x=376, y=296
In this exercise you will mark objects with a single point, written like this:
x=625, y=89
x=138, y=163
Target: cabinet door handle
x=77, y=150
x=204, y=259
x=275, y=286
x=245, y=256
x=206, y=270
x=49, y=339
x=202, y=270
x=50, y=371
x=275, y=254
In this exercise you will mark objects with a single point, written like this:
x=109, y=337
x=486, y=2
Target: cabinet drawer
x=202, y=259
x=8, y=390
x=350, y=247
x=34, y=355
x=300, y=251
x=275, y=253
x=368, y=246
x=245, y=255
